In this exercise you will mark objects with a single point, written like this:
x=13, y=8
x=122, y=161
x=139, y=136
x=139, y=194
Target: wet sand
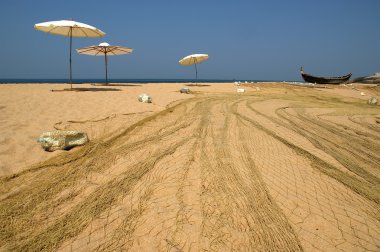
x=278, y=168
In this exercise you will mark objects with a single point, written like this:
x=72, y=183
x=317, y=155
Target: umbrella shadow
x=197, y=85
x=86, y=89
x=117, y=85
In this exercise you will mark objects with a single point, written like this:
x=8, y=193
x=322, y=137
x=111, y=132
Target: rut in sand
x=212, y=173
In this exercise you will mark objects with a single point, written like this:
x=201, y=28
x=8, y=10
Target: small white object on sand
x=185, y=90
x=62, y=139
x=373, y=100
x=240, y=90
x=145, y=98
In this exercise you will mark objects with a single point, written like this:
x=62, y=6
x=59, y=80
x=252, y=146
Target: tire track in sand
x=198, y=176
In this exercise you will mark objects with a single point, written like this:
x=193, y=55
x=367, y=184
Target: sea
x=139, y=81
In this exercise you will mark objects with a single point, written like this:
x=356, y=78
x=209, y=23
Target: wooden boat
x=325, y=80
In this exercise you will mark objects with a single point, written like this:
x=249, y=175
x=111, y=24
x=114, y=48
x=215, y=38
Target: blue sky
x=262, y=40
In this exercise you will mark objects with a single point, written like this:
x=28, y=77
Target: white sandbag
x=184, y=91
x=372, y=101
x=145, y=98
x=62, y=139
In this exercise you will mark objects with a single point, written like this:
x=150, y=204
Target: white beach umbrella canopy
x=69, y=28
x=104, y=49
x=193, y=59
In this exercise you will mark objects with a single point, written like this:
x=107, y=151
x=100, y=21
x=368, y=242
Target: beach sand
x=27, y=110
x=278, y=168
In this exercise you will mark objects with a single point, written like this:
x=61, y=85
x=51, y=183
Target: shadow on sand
x=85, y=89
x=116, y=85
x=197, y=85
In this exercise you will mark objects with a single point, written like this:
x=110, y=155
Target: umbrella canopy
x=69, y=28
x=104, y=49
x=193, y=59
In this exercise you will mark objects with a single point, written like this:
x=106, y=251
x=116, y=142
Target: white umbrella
x=193, y=59
x=106, y=49
x=69, y=28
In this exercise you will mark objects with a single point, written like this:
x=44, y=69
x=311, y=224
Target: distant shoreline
x=140, y=81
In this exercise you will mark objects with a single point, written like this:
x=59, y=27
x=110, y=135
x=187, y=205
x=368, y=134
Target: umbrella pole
x=105, y=62
x=71, y=45
x=196, y=74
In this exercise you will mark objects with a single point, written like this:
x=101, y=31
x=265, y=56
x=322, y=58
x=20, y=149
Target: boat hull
x=325, y=80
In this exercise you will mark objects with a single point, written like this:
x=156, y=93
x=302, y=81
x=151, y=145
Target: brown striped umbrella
x=106, y=50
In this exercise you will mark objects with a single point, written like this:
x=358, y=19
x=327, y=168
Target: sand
x=282, y=168
x=29, y=110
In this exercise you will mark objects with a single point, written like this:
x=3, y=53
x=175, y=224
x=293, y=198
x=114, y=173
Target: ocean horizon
x=140, y=81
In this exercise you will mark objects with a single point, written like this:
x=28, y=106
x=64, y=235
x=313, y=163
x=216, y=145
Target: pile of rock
x=145, y=98
x=184, y=91
x=62, y=139
x=373, y=100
